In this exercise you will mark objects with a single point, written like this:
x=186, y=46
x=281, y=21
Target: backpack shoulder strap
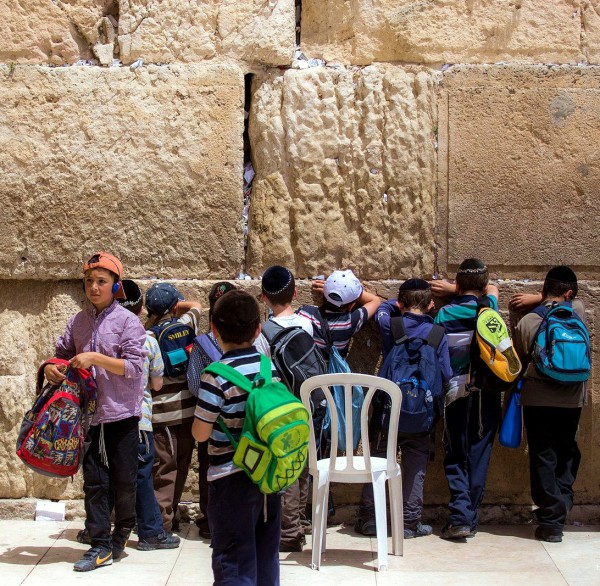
x=231, y=374
x=326, y=330
x=209, y=347
x=435, y=336
x=270, y=329
x=398, y=331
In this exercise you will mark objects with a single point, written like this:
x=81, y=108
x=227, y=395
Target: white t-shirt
x=285, y=321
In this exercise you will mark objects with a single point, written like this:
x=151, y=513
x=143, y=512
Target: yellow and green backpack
x=273, y=447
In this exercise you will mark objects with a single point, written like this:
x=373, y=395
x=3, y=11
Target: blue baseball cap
x=161, y=298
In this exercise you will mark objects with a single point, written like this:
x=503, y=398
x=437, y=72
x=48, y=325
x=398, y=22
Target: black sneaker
x=203, y=528
x=456, y=532
x=418, y=530
x=93, y=558
x=84, y=537
x=367, y=527
x=162, y=541
x=549, y=534
x=473, y=533
x=119, y=541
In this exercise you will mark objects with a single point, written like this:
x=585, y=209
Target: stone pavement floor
x=44, y=552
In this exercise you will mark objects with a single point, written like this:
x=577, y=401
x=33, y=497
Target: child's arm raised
x=524, y=302
x=370, y=302
x=442, y=288
x=183, y=306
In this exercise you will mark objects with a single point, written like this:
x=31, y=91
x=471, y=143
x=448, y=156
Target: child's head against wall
x=278, y=285
x=216, y=292
x=134, y=298
x=472, y=275
x=559, y=281
x=415, y=294
x=161, y=298
x=236, y=317
x=341, y=291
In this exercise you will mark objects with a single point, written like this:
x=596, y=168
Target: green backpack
x=273, y=447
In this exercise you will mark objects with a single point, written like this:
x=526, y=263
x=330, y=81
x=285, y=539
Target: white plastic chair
x=356, y=469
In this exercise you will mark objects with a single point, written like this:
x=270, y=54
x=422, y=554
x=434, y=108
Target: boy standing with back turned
x=244, y=523
x=473, y=403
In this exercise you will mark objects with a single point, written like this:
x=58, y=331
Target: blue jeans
x=245, y=544
x=149, y=519
x=471, y=426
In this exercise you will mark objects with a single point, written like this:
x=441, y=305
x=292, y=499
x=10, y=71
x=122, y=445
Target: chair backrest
x=372, y=384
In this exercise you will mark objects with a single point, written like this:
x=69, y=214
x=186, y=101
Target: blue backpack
x=175, y=340
x=414, y=366
x=561, y=346
x=337, y=365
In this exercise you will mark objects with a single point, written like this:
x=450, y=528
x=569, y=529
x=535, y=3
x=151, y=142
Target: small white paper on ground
x=49, y=511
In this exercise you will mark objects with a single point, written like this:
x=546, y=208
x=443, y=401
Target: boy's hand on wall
x=442, y=288
x=316, y=290
x=524, y=301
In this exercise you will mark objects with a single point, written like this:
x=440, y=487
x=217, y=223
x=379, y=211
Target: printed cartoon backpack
x=51, y=438
x=273, y=446
x=561, y=346
x=413, y=365
x=496, y=349
x=175, y=340
x=294, y=353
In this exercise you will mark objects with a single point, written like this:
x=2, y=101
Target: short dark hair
x=134, y=298
x=216, y=292
x=415, y=299
x=472, y=275
x=558, y=281
x=278, y=285
x=236, y=316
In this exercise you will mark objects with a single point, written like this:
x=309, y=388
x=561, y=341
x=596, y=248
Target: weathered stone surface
x=170, y=30
x=452, y=31
x=344, y=165
x=147, y=163
x=41, y=31
x=591, y=30
x=519, y=161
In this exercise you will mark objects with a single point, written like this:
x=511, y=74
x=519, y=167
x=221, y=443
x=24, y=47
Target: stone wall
x=436, y=131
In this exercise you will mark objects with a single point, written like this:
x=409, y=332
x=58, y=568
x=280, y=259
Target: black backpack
x=294, y=353
x=175, y=340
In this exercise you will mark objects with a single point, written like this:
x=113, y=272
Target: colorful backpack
x=273, y=447
x=51, y=438
x=414, y=366
x=496, y=349
x=294, y=353
x=561, y=346
x=175, y=340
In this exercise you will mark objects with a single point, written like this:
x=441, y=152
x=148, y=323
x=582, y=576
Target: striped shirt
x=153, y=367
x=459, y=319
x=219, y=397
x=174, y=403
x=342, y=325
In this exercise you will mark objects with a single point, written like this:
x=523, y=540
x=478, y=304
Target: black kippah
x=276, y=279
x=415, y=285
x=563, y=274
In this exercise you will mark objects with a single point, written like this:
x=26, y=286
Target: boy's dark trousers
x=110, y=469
x=553, y=461
x=245, y=544
x=415, y=454
x=149, y=519
x=174, y=446
x=470, y=428
x=293, y=506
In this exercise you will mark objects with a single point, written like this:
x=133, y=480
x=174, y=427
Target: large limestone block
x=448, y=31
x=55, y=32
x=144, y=163
x=591, y=30
x=519, y=167
x=170, y=30
x=344, y=165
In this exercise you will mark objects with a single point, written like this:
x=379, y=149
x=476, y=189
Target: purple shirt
x=118, y=333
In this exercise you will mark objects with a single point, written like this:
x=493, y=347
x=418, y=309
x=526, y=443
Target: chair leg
x=380, y=519
x=319, y=517
x=397, y=515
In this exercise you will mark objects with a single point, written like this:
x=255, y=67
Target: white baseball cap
x=342, y=287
